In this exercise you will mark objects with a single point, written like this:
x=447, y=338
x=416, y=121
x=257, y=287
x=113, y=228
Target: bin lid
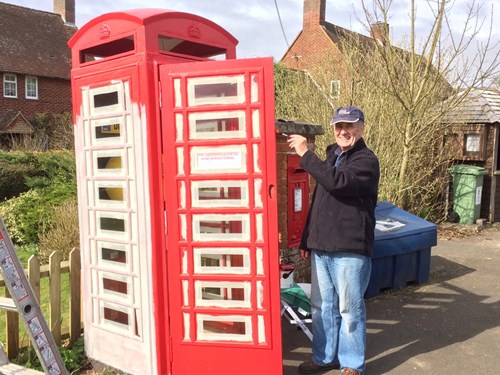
x=393, y=222
x=468, y=169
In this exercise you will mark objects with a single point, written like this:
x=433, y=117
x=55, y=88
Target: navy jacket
x=342, y=212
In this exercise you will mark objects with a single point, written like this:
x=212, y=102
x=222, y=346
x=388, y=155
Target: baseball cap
x=348, y=114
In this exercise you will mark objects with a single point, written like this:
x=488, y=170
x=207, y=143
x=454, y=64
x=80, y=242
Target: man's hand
x=304, y=254
x=298, y=142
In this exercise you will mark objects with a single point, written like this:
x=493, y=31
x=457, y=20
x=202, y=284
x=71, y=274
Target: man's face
x=348, y=133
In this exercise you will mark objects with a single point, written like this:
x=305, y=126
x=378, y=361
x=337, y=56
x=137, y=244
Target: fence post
x=12, y=330
x=55, y=296
x=34, y=276
x=75, y=297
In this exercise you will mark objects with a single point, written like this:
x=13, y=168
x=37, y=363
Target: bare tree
x=407, y=87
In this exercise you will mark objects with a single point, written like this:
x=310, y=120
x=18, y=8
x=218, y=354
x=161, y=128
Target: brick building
x=35, y=63
x=318, y=49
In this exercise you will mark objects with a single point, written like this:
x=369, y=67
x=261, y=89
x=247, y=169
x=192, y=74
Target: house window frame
x=335, y=89
x=7, y=82
x=457, y=140
x=477, y=140
x=26, y=88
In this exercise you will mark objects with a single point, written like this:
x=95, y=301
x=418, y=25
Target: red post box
x=298, y=199
x=177, y=197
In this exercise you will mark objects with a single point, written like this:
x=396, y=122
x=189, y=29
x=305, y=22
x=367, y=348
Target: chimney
x=66, y=8
x=314, y=13
x=380, y=32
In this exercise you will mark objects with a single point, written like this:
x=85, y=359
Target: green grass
x=24, y=253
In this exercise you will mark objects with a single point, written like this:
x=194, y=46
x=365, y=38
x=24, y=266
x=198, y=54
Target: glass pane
x=187, y=326
x=105, y=99
x=256, y=159
x=116, y=316
x=111, y=194
x=113, y=255
x=109, y=162
x=109, y=49
x=107, y=131
x=182, y=194
x=221, y=227
x=259, y=259
x=177, y=93
x=190, y=48
x=225, y=328
x=222, y=260
x=254, y=88
x=256, y=123
x=262, y=329
x=222, y=294
x=259, y=227
x=217, y=125
x=219, y=193
x=179, y=127
x=258, y=192
x=472, y=142
x=114, y=285
x=113, y=224
x=180, y=161
x=216, y=90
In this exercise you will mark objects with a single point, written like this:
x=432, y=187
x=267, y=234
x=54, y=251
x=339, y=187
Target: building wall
x=489, y=165
x=54, y=96
x=313, y=51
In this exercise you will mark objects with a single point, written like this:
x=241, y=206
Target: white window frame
x=472, y=142
x=9, y=79
x=34, y=81
x=335, y=89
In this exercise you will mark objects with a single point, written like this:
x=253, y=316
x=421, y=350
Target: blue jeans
x=338, y=284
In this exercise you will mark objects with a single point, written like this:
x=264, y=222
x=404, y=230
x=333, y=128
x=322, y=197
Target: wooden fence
x=54, y=271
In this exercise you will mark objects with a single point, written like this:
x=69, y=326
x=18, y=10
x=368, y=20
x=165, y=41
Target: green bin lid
x=468, y=169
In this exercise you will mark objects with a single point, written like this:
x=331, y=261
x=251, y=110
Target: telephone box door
x=221, y=212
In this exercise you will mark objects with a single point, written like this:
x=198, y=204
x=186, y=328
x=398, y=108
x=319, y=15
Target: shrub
x=73, y=357
x=54, y=183
x=12, y=179
x=63, y=234
x=53, y=131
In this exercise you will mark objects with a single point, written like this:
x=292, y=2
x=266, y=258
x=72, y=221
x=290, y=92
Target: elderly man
x=338, y=238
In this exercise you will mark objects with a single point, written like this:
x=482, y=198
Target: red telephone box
x=177, y=197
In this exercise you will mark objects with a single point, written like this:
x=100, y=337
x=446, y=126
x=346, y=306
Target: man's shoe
x=350, y=371
x=310, y=367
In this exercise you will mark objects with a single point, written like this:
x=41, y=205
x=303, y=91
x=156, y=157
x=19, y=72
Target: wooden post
x=75, y=319
x=34, y=276
x=12, y=331
x=55, y=296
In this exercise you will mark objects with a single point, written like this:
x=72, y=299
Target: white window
x=9, y=85
x=335, y=89
x=472, y=143
x=31, y=87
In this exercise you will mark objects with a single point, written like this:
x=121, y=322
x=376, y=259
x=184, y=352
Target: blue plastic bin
x=402, y=249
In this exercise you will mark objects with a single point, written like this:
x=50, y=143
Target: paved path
x=451, y=325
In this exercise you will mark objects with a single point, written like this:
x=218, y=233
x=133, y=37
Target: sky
x=256, y=25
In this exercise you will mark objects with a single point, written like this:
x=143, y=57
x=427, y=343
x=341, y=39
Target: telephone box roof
x=148, y=16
